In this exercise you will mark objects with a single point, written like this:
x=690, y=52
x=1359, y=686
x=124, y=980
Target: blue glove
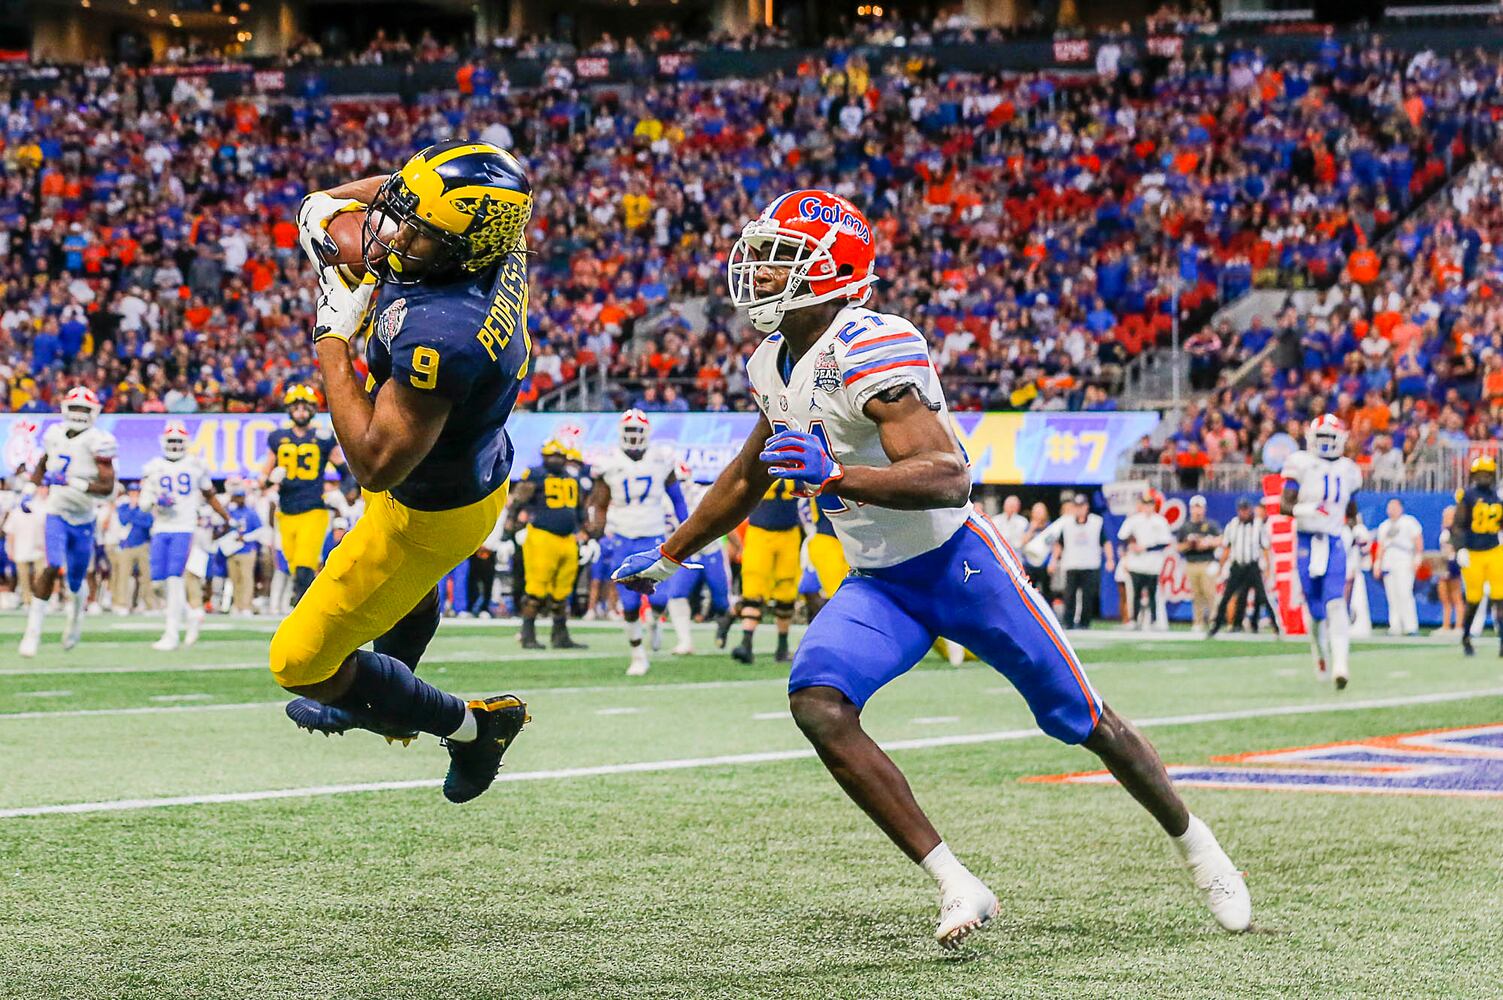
x=165, y=501
x=643, y=571
x=55, y=478
x=799, y=455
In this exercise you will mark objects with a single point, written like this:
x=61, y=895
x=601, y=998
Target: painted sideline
x=689, y=763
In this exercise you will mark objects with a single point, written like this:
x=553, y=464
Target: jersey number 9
x=424, y=368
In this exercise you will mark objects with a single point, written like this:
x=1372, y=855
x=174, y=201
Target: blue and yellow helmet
x=454, y=208
x=1485, y=464
x=553, y=446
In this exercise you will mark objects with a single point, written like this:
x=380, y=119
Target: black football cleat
x=317, y=717
x=561, y=639
x=743, y=655
x=1466, y=646
x=783, y=656
x=722, y=630
x=1340, y=683
x=473, y=764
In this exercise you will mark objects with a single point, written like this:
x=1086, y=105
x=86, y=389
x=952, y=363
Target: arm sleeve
x=680, y=508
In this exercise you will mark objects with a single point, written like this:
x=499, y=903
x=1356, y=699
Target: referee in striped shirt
x=1243, y=544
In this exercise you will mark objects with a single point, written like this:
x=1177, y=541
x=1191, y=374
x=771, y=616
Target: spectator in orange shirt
x=1364, y=265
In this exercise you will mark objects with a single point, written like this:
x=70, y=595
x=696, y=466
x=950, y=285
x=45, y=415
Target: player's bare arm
x=1288, y=499
x=383, y=440
x=599, y=503
x=729, y=500
x=521, y=496
x=928, y=468
x=40, y=472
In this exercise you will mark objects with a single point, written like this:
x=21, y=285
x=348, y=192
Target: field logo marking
x=1465, y=762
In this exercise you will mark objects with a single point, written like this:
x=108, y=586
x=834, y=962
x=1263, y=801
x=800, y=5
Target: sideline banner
x=1078, y=449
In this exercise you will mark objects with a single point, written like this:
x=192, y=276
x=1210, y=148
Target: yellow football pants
x=388, y=562
x=770, y=565
x=551, y=564
x=302, y=537
x=1483, y=568
x=828, y=558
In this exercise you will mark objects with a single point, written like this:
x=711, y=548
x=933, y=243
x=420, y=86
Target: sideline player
x=1478, y=519
x=295, y=463
x=78, y=466
x=553, y=496
x=770, y=568
x=1320, y=483
x=709, y=569
x=173, y=486
x=424, y=434
x=632, y=485
x=853, y=411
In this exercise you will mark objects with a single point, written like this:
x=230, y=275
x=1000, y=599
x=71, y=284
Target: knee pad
x=750, y=609
x=781, y=609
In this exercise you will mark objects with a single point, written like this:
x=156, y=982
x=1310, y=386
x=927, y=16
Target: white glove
x=277, y=475
x=341, y=309
x=589, y=551
x=1463, y=557
x=313, y=217
x=79, y=483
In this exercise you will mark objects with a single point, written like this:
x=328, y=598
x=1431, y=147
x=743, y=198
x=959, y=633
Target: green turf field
x=671, y=836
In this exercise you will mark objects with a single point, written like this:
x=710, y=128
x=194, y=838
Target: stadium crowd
x=1407, y=348
x=1041, y=228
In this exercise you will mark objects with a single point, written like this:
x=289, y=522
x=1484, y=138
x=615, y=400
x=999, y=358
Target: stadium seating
x=1042, y=229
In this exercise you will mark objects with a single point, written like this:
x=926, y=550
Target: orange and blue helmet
x=825, y=243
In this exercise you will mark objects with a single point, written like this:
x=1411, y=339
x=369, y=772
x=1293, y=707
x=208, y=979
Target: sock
x=177, y=603
x=468, y=729
x=1339, y=637
x=408, y=639
x=302, y=579
x=746, y=639
x=1467, y=619
x=634, y=632
x=387, y=689
x=943, y=866
x=678, y=613
x=36, y=615
x=1196, y=838
x=782, y=643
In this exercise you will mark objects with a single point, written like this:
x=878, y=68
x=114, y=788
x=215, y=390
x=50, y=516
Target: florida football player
x=636, y=483
x=553, y=496
x=1478, y=520
x=295, y=462
x=174, y=488
x=708, y=570
x=854, y=414
x=1320, y=482
x=78, y=466
x=424, y=434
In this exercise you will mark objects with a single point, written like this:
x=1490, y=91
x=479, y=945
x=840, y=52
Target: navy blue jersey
x=466, y=341
x=557, y=503
x=1479, y=515
x=778, y=510
x=303, y=455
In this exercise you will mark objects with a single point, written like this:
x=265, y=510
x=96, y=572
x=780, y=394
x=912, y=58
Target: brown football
x=347, y=230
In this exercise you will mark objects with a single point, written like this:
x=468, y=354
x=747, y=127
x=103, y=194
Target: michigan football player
x=443, y=312
x=1479, y=518
x=553, y=496
x=295, y=462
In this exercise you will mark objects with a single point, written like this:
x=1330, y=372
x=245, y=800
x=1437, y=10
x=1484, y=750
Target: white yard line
x=731, y=760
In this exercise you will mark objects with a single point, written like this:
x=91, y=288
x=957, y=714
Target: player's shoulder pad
x=663, y=454
x=105, y=445
x=873, y=350
x=1463, y=494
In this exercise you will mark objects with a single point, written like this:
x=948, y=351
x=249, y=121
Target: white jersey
x=861, y=354
x=639, y=491
x=184, y=481
x=70, y=458
x=1082, y=543
x=1331, y=482
x=1152, y=532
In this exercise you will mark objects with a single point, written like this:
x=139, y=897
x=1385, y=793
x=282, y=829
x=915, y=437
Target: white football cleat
x=29, y=643
x=166, y=644
x=190, y=634
x=963, y=910
x=639, y=663
x=72, y=632
x=1222, y=883
x=683, y=649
